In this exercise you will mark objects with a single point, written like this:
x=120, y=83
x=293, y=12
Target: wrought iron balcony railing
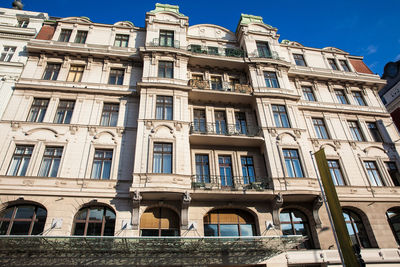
x=223, y=86
x=211, y=50
x=221, y=128
x=271, y=54
x=229, y=182
x=165, y=43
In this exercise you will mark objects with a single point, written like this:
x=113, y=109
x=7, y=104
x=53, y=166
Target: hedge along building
x=170, y=136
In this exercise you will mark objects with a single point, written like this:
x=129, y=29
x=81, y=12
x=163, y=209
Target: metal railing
x=156, y=42
x=210, y=50
x=224, y=86
x=229, y=182
x=221, y=128
x=271, y=55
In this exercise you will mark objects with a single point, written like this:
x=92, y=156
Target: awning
x=140, y=251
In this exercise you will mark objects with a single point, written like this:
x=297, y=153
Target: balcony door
x=220, y=122
x=225, y=170
x=199, y=120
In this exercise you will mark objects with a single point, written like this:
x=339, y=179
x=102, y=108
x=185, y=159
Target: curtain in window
x=157, y=163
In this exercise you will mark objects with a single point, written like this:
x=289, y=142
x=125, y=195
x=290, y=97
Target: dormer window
x=263, y=50
x=333, y=64
x=299, y=59
x=23, y=23
x=344, y=65
x=64, y=35
x=166, y=38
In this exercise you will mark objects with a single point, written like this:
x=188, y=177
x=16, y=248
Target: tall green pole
x=335, y=209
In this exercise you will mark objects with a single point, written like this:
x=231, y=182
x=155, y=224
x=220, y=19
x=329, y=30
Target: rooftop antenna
x=17, y=4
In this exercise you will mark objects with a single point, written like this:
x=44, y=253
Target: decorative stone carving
x=185, y=210
x=15, y=126
x=316, y=206
x=136, y=198
x=277, y=203
x=73, y=129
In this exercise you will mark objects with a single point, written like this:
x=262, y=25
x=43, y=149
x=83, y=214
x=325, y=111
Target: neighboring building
x=390, y=94
x=17, y=27
x=192, y=131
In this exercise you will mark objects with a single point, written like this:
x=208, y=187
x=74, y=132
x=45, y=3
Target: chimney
x=17, y=5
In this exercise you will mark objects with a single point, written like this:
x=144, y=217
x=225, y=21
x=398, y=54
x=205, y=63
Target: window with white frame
x=292, y=163
x=374, y=175
x=271, y=80
x=8, y=53
x=356, y=131
x=65, y=35
x=20, y=160
x=102, y=161
x=50, y=162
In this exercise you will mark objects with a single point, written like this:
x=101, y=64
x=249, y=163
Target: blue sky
x=366, y=28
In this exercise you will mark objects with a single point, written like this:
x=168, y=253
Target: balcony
x=270, y=55
x=215, y=51
x=224, y=129
x=229, y=182
x=168, y=43
x=223, y=86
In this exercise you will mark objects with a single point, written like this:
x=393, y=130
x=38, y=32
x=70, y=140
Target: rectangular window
x=164, y=108
x=299, y=59
x=344, y=65
x=116, y=76
x=341, y=97
x=109, y=116
x=225, y=170
x=199, y=120
x=75, y=74
x=38, y=110
x=373, y=173
x=64, y=111
x=20, y=161
x=359, y=98
x=50, y=162
x=51, y=71
x=216, y=83
x=336, y=172
x=292, y=163
x=165, y=69
x=121, y=40
x=162, y=158
x=202, y=169
x=308, y=93
x=249, y=175
x=233, y=82
x=8, y=53
x=320, y=128
x=280, y=116
x=271, y=80
x=220, y=122
x=393, y=172
x=166, y=38
x=23, y=23
x=102, y=164
x=333, y=64
x=355, y=131
x=373, y=129
x=64, y=35
x=81, y=37
x=263, y=50
x=241, y=123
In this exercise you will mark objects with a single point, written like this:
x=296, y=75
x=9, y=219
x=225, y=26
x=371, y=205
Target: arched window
x=22, y=220
x=393, y=216
x=356, y=229
x=229, y=223
x=94, y=221
x=159, y=222
x=294, y=222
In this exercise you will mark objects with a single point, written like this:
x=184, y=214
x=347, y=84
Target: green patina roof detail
x=166, y=7
x=285, y=41
x=129, y=22
x=246, y=19
x=83, y=17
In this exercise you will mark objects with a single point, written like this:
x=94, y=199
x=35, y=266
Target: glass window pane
x=20, y=228
x=96, y=214
x=94, y=229
x=246, y=230
x=229, y=230
x=25, y=212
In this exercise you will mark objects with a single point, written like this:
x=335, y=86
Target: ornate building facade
x=196, y=132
